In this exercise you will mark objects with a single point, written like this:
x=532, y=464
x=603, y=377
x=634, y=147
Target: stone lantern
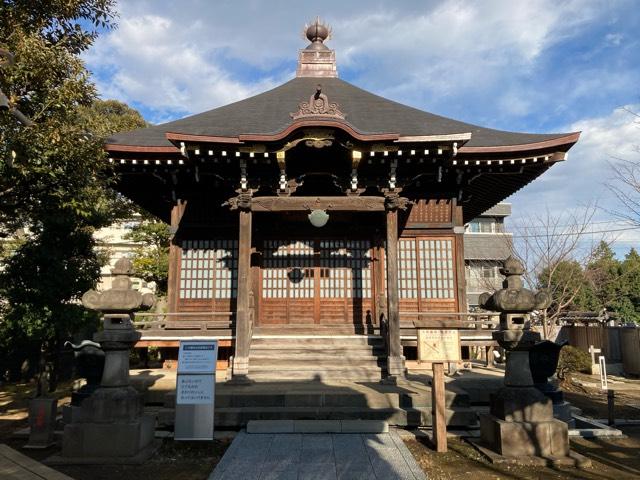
x=520, y=426
x=109, y=426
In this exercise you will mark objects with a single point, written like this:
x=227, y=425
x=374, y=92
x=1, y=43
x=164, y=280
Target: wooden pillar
x=243, y=305
x=173, y=280
x=395, y=360
x=438, y=412
x=458, y=229
x=380, y=307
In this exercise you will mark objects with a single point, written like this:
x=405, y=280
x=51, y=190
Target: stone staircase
x=321, y=358
x=406, y=405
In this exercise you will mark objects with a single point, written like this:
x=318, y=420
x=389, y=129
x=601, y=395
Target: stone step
x=338, y=398
x=274, y=350
x=291, y=362
x=312, y=372
x=323, y=341
x=406, y=417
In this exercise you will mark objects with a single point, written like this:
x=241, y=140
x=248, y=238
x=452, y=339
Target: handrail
x=477, y=320
x=456, y=314
x=165, y=321
x=183, y=314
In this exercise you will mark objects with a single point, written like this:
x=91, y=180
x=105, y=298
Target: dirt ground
x=173, y=461
x=614, y=458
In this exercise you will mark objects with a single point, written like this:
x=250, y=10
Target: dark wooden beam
x=289, y=204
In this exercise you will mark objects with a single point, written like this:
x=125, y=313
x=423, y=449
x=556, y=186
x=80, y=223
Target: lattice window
x=359, y=274
x=332, y=275
x=407, y=269
x=287, y=270
x=226, y=273
x=425, y=268
x=208, y=269
x=436, y=268
x=345, y=269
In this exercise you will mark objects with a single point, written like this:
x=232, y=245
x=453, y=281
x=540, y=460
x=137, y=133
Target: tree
x=53, y=177
x=53, y=161
x=630, y=270
x=625, y=183
x=151, y=261
x=551, y=248
x=569, y=287
x=615, y=283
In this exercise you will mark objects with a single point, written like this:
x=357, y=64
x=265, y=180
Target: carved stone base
x=529, y=439
x=109, y=405
x=240, y=366
x=395, y=366
x=117, y=442
x=524, y=404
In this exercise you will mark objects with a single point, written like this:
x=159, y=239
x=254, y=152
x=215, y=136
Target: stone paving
x=318, y=456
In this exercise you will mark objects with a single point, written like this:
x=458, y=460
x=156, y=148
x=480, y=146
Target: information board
x=195, y=389
x=435, y=345
x=197, y=356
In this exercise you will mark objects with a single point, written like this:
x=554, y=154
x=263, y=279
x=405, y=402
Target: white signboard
x=197, y=356
x=438, y=345
x=603, y=373
x=195, y=389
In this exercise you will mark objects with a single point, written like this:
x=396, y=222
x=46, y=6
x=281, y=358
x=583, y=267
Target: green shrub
x=573, y=359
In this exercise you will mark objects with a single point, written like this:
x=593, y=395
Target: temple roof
x=270, y=114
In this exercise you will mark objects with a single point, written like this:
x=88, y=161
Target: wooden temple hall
x=318, y=212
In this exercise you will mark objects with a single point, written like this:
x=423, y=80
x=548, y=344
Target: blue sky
x=529, y=65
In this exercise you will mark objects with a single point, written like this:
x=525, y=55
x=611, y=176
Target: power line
x=568, y=234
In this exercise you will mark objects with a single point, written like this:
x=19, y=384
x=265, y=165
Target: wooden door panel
x=316, y=282
x=273, y=312
x=301, y=312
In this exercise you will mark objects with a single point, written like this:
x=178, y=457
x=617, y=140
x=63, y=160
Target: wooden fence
x=618, y=344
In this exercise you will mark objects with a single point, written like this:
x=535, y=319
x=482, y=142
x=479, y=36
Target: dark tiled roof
x=269, y=113
x=479, y=246
x=499, y=210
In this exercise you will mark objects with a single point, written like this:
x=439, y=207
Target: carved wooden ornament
x=318, y=106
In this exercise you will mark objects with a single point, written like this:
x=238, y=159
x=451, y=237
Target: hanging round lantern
x=318, y=218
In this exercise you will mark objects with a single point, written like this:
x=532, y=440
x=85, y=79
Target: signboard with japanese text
x=436, y=345
x=197, y=356
x=195, y=389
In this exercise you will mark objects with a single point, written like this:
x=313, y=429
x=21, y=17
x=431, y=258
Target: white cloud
x=151, y=64
x=190, y=56
x=582, y=179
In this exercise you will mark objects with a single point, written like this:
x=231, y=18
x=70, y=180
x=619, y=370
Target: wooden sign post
x=438, y=413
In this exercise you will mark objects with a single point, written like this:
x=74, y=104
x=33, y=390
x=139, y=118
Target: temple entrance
x=312, y=282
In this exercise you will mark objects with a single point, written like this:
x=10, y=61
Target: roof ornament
x=317, y=32
x=318, y=106
x=317, y=60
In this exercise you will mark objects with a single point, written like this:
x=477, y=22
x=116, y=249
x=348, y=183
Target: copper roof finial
x=317, y=31
x=317, y=60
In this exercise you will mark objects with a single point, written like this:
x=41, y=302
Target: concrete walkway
x=318, y=456
x=16, y=466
